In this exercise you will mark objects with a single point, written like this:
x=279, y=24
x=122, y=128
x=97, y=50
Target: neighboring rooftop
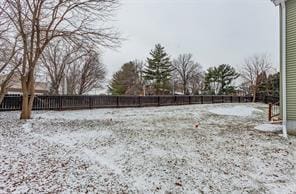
x=15, y=86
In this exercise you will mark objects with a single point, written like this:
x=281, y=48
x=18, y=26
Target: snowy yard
x=146, y=150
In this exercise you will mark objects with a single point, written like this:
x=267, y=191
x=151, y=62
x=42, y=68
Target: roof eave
x=278, y=2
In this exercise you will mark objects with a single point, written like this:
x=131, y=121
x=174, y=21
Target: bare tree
x=140, y=65
x=253, y=68
x=196, y=82
x=7, y=68
x=39, y=22
x=85, y=73
x=55, y=59
x=73, y=72
x=8, y=58
x=185, y=68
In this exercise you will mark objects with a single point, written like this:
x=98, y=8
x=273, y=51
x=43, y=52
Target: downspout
x=284, y=71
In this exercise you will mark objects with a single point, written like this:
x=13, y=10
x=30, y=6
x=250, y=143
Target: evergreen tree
x=126, y=81
x=158, y=71
x=274, y=84
x=212, y=85
x=269, y=85
x=218, y=79
x=262, y=83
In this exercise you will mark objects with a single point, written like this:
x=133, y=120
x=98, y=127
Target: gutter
x=282, y=4
x=284, y=69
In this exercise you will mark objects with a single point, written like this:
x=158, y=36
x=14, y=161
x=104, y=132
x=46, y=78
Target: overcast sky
x=214, y=31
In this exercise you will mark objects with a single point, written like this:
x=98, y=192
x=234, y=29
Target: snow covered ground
x=146, y=150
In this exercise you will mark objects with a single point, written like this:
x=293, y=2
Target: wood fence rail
x=13, y=102
x=267, y=99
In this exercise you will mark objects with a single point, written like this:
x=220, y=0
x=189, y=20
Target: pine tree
x=269, y=85
x=126, y=81
x=158, y=71
x=218, y=80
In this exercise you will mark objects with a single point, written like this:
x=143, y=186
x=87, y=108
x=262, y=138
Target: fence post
x=212, y=99
x=140, y=102
x=231, y=99
x=90, y=102
x=222, y=99
x=265, y=99
x=269, y=112
x=158, y=100
x=61, y=103
x=202, y=99
x=117, y=101
x=189, y=99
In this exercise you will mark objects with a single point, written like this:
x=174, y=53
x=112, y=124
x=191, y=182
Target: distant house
x=288, y=63
x=15, y=87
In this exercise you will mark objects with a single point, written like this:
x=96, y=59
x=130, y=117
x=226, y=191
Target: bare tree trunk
x=27, y=104
x=25, y=101
x=35, y=24
x=2, y=94
x=157, y=88
x=254, y=97
x=184, y=88
x=254, y=93
x=4, y=85
x=54, y=90
x=28, y=96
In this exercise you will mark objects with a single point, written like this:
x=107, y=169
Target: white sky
x=214, y=31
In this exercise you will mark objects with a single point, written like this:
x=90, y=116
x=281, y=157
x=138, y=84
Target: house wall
x=291, y=65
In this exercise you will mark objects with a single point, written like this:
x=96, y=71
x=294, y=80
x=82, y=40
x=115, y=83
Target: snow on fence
x=13, y=102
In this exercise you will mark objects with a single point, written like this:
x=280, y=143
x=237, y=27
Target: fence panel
x=271, y=99
x=196, y=100
x=227, y=99
x=208, y=99
x=218, y=99
x=103, y=101
x=182, y=100
x=167, y=100
x=128, y=101
x=11, y=103
x=74, y=102
x=248, y=99
x=47, y=103
x=149, y=100
x=235, y=99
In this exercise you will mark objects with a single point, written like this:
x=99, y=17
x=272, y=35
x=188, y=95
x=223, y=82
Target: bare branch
x=38, y=22
x=253, y=68
x=186, y=70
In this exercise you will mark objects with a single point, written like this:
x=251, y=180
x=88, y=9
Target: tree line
x=62, y=41
x=161, y=75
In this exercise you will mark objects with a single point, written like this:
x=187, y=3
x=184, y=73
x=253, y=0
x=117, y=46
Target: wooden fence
x=11, y=103
x=267, y=99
